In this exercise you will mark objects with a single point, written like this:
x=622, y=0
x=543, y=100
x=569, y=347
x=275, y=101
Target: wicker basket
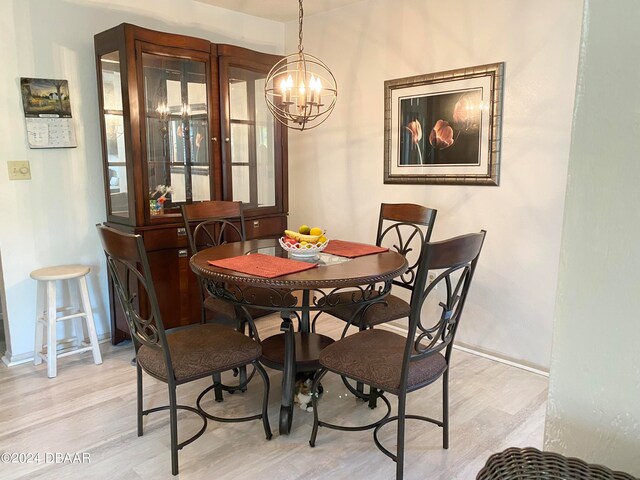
x=530, y=463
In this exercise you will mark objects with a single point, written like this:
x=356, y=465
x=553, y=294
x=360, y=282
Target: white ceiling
x=278, y=10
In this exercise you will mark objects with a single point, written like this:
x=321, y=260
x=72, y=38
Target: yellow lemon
x=304, y=229
x=322, y=239
x=315, y=231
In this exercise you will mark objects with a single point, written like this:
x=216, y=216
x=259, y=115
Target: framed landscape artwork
x=444, y=128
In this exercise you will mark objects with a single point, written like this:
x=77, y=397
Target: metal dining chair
x=400, y=364
x=404, y=227
x=175, y=357
x=209, y=224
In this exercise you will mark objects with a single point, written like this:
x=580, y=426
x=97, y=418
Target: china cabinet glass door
x=252, y=130
x=252, y=152
x=177, y=130
x=118, y=198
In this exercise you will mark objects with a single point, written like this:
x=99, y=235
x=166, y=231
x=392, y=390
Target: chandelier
x=300, y=89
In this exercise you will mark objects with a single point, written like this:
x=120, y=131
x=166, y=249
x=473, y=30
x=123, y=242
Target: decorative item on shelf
x=300, y=90
x=157, y=199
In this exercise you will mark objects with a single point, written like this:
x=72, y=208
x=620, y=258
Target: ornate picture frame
x=444, y=128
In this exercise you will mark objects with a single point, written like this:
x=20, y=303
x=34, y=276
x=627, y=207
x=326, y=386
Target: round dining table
x=337, y=281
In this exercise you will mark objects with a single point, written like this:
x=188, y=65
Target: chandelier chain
x=300, y=16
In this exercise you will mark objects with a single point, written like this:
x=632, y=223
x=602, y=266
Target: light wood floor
x=91, y=409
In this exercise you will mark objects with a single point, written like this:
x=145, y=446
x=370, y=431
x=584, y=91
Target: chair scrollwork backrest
x=451, y=263
x=405, y=228
x=217, y=222
x=129, y=271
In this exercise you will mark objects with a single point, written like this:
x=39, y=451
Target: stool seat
x=49, y=313
x=61, y=272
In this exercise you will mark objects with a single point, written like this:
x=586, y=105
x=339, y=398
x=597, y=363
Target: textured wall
x=336, y=170
x=594, y=394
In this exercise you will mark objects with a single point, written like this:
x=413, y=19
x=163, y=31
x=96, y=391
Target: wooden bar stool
x=47, y=315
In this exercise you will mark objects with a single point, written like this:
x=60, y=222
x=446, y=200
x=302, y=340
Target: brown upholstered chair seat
x=200, y=350
x=374, y=357
x=391, y=308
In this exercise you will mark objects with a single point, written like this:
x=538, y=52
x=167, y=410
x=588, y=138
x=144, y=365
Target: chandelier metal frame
x=300, y=90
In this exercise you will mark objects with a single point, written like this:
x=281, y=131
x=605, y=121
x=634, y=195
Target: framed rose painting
x=444, y=128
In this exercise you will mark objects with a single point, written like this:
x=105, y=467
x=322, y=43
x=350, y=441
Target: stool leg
x=39, y=340
x=78, y=325
x=52, y=335
x=91, y=326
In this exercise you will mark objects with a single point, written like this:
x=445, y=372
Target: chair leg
x=360, y=388
x=445, y=409
x=242, y=378
x=217, y=380
x=373, y=397
x=173, y=418
x=360, y=385
x=245, y=329
x=402, y=403
x=314, y=402
x=52, y=344
x=265, y=400
x=203, y=297
x=139, y=394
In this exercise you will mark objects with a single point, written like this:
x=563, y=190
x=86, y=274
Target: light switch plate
x=20, y=170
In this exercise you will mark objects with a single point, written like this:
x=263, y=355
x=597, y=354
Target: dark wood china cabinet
x=184, y=120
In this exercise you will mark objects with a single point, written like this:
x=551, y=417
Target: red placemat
x=261, y=265
x=343, y=248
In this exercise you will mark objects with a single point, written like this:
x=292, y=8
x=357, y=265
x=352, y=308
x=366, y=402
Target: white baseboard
x=13, y=360
x=505, y=361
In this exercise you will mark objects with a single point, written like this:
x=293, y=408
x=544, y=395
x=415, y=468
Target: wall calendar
x=47, y=111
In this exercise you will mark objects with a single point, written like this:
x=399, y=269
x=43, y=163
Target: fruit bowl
x=303, y=251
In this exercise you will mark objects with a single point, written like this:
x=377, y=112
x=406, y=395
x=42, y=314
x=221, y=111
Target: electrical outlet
x=19, y=170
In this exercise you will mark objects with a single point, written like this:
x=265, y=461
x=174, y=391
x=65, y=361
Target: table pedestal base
x=292, y=352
